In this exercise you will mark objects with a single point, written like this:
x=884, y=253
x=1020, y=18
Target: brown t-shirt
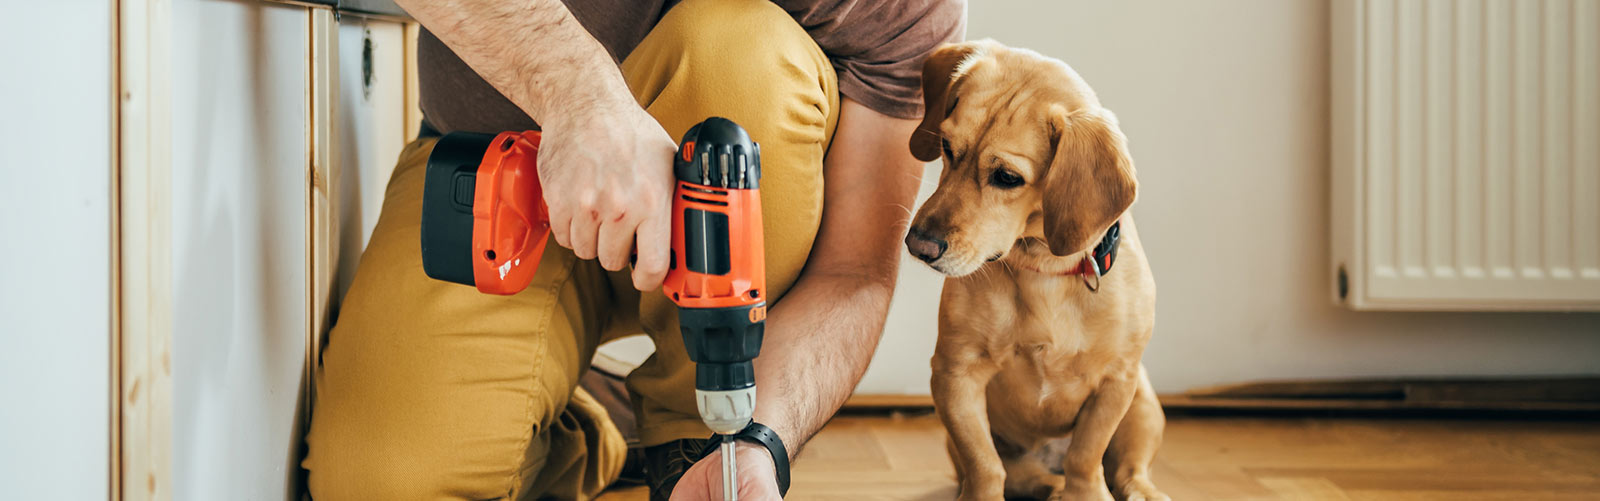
x=876, y=46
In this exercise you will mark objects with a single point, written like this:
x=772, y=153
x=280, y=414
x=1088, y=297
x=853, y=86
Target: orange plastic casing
x=745, y=283
x=510, y=223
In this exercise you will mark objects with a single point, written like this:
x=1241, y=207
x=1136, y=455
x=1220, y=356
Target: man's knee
x=746, y=54
x=735, y=32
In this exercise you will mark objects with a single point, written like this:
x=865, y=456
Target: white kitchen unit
x=257, y=137
x=239, y=225
x=55, y=251
x=370, y=126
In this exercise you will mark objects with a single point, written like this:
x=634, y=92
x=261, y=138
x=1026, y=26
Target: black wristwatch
x=761, y=434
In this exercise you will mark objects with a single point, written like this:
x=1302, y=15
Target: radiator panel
x=1471, y=129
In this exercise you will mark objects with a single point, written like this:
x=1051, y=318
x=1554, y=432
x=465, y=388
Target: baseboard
x=888, y=402
x=1555, y=395
x=1509, y=395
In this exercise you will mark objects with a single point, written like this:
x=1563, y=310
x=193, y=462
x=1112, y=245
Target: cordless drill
x=485, y=224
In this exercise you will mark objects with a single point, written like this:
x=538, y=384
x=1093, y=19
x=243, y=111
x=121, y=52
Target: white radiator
x=1466, y=154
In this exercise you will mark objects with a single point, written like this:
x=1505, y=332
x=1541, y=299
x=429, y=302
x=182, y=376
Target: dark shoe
x=611, y=391
x=612, y=394
x=632, y=468
x=664, y=464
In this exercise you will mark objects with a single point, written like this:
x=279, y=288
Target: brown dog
x=1036, y=374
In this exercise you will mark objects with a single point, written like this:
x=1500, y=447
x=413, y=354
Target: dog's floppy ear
x=1091, y=179
x=939, y=81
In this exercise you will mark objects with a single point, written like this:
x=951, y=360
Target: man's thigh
x=430, y=389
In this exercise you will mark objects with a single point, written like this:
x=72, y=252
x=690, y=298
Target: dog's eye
x=1005, y=179
x=945, y=143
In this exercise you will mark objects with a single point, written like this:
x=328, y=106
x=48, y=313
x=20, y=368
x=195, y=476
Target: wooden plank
x=322, y=239
x=413, y=94
x=114, y=421
x=144, y=267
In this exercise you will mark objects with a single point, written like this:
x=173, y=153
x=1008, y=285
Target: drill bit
x=730, y=472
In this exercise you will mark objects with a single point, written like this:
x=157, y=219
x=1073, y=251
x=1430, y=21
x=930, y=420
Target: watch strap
x=766, y=437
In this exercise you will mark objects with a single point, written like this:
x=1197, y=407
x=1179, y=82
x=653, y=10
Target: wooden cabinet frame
x=141, y=428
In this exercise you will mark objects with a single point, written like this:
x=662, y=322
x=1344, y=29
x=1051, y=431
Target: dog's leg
x=1133, y=447
x=955, y=459
x=1097, y=421
x=958, y=391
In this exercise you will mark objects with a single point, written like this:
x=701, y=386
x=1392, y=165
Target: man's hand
x=758, y=480
x=607, y=176
x=606, y=165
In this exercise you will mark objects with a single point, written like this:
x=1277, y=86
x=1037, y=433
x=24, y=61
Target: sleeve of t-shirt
x=877, y=47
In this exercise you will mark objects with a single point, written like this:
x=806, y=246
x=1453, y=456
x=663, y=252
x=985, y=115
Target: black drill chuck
x=722, y=342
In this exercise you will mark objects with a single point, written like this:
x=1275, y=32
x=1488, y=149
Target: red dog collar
x=1098, y=262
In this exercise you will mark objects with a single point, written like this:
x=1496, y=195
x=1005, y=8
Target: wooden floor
x=1234, y=458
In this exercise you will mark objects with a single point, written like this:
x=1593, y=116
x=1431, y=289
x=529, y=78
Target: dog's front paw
x=1082, y=491
x=1141, y=490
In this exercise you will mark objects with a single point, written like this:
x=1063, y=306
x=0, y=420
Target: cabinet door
x=370, y=129
x=55, y=250
x=239, y=275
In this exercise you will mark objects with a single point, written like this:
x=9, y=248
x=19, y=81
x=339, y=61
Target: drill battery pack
x=484, y=222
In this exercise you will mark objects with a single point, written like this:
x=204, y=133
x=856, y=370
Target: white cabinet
x=239, y=203
x=55, y=251
x=370, y=128
x=256, y=138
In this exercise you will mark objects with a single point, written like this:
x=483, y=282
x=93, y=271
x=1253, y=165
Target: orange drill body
x=744, y=282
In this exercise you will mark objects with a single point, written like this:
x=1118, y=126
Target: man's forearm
x=818, y=343
x=532, y=51
x=821, y=335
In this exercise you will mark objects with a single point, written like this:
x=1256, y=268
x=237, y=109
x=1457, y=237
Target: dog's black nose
x=926, y=247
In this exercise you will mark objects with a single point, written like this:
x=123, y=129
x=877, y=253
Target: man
x=432, y=390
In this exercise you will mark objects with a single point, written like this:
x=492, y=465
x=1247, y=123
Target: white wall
x=55, y=250
x=1225, y=104
x=239, y=202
